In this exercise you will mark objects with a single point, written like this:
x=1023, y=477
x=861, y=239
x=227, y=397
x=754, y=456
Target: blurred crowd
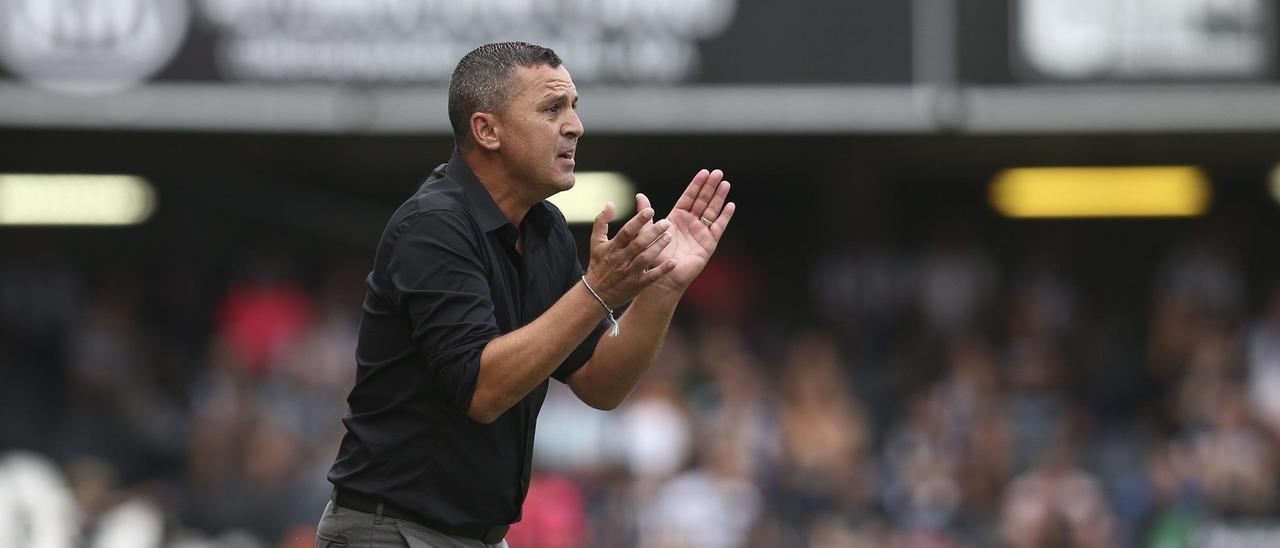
x=934, y=397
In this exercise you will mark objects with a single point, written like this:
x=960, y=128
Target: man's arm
x=618, y=362
x=514, y=364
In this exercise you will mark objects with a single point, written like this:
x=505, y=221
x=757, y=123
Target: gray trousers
x=342, y=527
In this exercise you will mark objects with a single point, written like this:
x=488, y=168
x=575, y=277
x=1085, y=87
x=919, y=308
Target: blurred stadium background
x=885, y=352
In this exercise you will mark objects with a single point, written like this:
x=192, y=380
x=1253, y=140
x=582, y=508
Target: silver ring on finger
x=705, y=221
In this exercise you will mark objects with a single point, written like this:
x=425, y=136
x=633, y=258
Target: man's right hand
x=621, y=267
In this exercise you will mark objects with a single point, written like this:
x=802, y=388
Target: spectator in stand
x=1057, y=503
x=715, y=504
x=1263, y=361
x=825, y=439
x=261, y=316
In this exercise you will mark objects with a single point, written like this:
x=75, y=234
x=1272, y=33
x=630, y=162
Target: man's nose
x=574, y=126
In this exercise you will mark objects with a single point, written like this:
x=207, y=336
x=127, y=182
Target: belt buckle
x=495, y=534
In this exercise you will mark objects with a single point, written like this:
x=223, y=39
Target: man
x=476, y=297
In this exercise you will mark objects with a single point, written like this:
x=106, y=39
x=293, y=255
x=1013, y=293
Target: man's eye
x=553, y=109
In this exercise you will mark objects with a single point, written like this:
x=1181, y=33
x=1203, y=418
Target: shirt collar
x=486, y=211
x=478, y=199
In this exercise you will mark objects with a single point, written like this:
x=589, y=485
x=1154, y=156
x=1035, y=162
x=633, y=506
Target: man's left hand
x=698, y=220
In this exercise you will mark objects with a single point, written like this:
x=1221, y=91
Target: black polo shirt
x=446, y=280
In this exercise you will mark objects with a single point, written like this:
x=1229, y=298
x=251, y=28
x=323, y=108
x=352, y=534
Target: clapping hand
x=668, y=253
x=697, y=221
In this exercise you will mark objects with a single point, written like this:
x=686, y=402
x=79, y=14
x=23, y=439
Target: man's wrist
x=600, y=293
x=609, y=310
x=661, y=291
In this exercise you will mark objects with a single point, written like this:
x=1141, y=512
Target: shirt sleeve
x=583, y=352
x=439, y=280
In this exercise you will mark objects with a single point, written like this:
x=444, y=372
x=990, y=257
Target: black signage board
x=112, y=45
x=1117, y=41
x=800, y=66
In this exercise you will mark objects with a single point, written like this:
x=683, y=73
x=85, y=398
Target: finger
x=686, y=199
x=650, y=254
x=629, y=231
x=600, y=229
x=650, y=234
x=656, y=273
x=708, y=190
x=642, y=202
x=722, y=222
x=717, y=202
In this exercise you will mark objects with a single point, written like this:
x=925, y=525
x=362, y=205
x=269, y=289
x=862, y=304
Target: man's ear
x=485, y=131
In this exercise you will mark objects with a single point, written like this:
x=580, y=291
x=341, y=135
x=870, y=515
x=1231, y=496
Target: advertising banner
x=648, y=66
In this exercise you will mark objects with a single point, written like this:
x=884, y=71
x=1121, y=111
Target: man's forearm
x=619, y=362
x=514, y=364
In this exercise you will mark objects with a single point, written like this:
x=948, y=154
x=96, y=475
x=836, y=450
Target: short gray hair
x=482, y=81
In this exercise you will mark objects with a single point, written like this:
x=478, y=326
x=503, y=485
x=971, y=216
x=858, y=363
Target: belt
x=488, y=534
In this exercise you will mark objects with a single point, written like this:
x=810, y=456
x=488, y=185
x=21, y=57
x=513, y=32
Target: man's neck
x=507, y=192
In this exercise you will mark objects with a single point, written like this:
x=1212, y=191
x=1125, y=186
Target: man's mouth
x=566, y=158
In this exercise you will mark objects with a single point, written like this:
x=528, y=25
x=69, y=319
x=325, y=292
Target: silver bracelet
x=613, y=332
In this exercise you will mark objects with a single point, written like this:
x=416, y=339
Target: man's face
x=541, y=129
